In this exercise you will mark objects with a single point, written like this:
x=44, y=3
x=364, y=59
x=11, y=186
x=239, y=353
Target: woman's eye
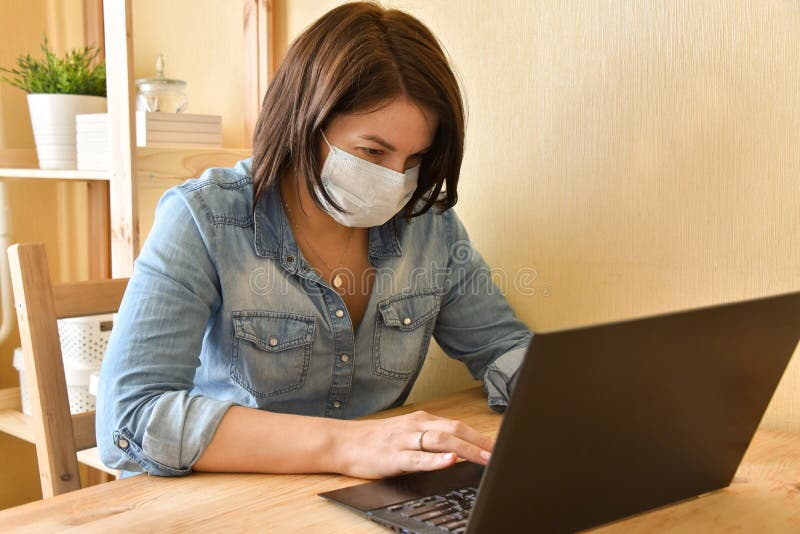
x=372, y=151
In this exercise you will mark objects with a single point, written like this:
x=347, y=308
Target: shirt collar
x=274, y=238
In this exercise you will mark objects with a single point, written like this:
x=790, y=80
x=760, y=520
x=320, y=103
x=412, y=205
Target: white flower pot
x=53, y=120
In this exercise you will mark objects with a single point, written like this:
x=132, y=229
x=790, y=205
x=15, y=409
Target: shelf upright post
x=121, y=111
x=98, y=190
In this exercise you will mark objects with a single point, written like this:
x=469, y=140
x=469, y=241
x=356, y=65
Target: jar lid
x=146, y=84
x=159, y=82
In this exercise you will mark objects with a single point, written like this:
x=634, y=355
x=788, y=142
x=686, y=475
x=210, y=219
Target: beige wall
x=641, y=156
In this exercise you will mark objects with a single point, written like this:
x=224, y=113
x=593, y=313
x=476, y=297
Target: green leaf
x=80, y=71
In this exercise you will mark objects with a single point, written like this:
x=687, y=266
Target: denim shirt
x=222, y=309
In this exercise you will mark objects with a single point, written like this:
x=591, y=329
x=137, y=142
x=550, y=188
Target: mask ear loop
x=297, y=183
x=326, y=140
x=327, y=143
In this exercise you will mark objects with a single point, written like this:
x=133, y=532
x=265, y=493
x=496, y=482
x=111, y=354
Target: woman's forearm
x=255, y=441
x=248, y=440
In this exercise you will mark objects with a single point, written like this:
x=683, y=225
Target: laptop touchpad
x=373, y=495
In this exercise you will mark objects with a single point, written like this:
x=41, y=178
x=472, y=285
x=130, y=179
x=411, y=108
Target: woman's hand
x=387, y=447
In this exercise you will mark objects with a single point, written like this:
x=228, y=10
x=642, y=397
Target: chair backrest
x=39, y=303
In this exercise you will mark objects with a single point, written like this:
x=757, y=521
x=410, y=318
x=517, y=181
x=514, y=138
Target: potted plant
x=58, y=89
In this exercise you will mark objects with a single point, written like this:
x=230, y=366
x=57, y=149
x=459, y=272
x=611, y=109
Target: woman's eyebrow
x=385, y=144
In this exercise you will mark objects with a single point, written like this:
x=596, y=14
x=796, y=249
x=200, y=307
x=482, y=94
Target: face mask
x=369, y=193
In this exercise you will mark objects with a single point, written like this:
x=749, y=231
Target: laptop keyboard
x=448, y=512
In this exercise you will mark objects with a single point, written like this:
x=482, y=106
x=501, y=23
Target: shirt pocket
x=271, y=351
x=402, y=333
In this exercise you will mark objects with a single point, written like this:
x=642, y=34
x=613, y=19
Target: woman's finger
x=438, y=441
x=412, y=461
x=460, y=430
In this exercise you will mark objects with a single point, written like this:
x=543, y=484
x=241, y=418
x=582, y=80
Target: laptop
x=608, y=421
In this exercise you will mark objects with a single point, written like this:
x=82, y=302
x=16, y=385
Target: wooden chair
x=39, y=303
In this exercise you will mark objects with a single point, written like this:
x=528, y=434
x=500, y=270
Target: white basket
x=83, y=344
x=84, y=339
x=94, y=383
x=77, y=379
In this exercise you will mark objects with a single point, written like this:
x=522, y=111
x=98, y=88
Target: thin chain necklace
x=337, y=280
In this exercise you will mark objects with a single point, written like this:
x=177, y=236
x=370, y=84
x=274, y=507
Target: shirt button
x=339, y=313
x=407, y=321
x=273, y=341
x=337, y=404
x=123, y=443
x=290, y=259
x=344, y=358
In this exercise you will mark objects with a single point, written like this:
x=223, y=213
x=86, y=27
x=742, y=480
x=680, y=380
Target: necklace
x=337, y=280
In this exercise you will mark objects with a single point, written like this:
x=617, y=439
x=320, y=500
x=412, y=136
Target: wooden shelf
x=112, y=194
x=153, y=165
x=20, y=425
x=17, y=424
x=91, y=457
x=45, y=174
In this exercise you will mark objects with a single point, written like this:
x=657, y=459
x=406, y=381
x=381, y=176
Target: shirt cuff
x=180, y=428
x=501, y=378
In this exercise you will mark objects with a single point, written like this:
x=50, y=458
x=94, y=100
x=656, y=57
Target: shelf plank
x=17, y=424
x=20, y=425
x=184, y=163
x=91, y=457
x=154, y=165
x=47, y=174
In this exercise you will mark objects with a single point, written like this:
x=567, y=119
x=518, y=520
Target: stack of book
x=153, y=129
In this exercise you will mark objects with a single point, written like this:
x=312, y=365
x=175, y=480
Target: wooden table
x=765, y=496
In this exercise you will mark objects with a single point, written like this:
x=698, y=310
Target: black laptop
x=607, y=421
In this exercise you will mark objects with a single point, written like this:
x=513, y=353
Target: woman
x=277, y=300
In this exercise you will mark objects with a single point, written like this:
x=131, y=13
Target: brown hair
x=359, y=56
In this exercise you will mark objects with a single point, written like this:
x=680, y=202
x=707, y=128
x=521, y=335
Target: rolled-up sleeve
x=476, y=325
x=147, y=420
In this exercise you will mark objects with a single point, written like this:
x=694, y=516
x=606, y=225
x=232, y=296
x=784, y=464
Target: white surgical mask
x=370, y=194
